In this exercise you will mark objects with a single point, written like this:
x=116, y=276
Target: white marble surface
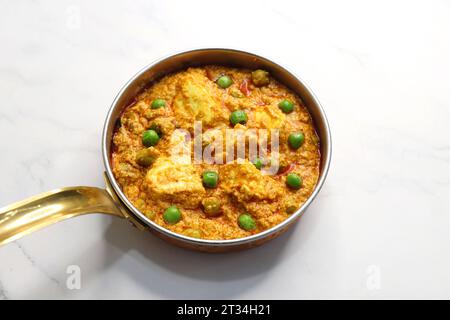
x=380, y=227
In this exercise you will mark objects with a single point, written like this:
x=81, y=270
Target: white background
x=380, y=227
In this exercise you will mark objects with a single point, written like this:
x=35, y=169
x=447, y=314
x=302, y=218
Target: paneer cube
x=268, y=117
x=247, y=183
x=194, y=101
x=171, y=181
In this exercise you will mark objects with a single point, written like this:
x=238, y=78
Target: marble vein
x=33, y=262
x=3, y=292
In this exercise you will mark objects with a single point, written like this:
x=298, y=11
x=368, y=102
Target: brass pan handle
x=29, y=215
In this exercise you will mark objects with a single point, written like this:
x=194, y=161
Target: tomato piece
x=244, y=87
x=286, y=169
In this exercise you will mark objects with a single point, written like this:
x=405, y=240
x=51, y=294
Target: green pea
x=296, y=140
x=150, y=138
x=224, y=82
x=145, y=157
x=210, y=179
x=293, y=181
x=260, y=78
x=258, y=163
x=246, y=222
x=238, y=116
x=286, y=106
x=158, y=103
x=172, y=215
x=290, y=209
x=211, y=206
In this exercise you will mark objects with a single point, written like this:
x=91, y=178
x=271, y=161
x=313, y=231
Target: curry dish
x=209, y=200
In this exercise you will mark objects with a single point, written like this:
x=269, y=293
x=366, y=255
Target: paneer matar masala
x=213, y=200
